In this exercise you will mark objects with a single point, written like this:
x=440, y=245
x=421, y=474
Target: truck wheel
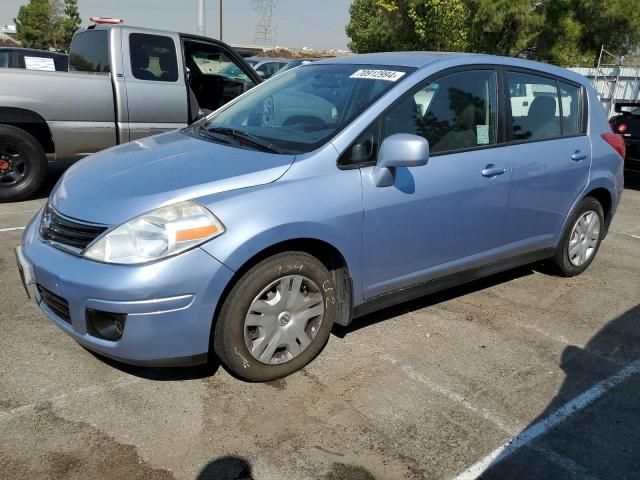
x=276, y=318
x=23, y=164
x=581, y=240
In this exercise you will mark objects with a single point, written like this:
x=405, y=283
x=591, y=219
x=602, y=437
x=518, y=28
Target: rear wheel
x=277, y=317
x=581, y=241
x=23, y=164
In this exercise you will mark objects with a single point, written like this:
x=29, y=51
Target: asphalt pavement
x=521, y=375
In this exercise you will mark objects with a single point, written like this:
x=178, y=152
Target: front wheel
x=23, y=164
x=581, y=241
x=277, y=317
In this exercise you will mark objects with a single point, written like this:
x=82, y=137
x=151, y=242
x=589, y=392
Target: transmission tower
x=264, y=29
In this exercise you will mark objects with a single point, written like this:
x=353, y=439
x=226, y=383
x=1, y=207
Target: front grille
x=66, y=233
x=56, y=304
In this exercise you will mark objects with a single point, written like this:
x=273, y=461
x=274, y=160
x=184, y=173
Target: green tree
x=440, y=24
x=36, y=24
x=45, y=24
x=70, y=22
x=503, y=27
x=563, y=32
x=378, y=25
x=575, y=30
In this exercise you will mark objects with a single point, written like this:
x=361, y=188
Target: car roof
x=267, y=59
x=32, y=50
x=400, y=59
x=422, y=59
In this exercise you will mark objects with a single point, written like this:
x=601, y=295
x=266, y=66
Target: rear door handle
x=492, y=171
x=578, y=155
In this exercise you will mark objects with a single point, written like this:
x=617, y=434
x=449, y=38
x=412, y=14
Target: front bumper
x=169, y=304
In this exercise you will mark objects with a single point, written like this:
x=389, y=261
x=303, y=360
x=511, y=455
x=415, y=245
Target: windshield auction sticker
x=390, y=75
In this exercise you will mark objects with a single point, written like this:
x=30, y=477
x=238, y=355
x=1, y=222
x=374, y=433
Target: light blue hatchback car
x=332, y=190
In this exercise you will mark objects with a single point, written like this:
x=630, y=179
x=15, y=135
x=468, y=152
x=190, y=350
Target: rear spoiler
x=620, y=105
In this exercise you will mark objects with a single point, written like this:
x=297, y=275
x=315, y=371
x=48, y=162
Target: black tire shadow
x=603, y=439
x=55, y=170
x=163, y=374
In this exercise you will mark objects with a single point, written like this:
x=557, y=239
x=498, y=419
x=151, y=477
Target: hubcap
x=584, y=238
x=13, y=165
x=283, y=319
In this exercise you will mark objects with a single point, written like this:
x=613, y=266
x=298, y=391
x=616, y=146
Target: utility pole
x=202, y=29
x=220, y=20
x=264, y=30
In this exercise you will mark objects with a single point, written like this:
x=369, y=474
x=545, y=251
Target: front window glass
x=212, y=62
x=454, y=112
x=153, y=57
x=302, y=109
x=4, y=59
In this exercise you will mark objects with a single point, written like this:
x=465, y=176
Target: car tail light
x=621, y=128
x=616, y=142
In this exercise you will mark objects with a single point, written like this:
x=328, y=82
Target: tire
x=569, y=263
x=23, y=164
x=261, y=288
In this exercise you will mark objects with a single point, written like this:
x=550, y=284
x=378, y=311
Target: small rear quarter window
x=89, y=52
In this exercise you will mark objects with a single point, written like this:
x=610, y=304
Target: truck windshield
x=303, y=108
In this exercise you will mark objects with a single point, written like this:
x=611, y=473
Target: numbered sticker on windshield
x=389, y=75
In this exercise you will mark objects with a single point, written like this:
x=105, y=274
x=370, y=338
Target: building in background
x=8, y=35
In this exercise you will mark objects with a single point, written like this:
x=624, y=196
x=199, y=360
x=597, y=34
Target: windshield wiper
x=245, y=138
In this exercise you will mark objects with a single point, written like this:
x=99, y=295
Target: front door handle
x=492, y=171
x=578, y=155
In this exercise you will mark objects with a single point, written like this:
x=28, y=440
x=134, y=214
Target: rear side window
x=454, y=112
x=535, y=113
x=4, y=59
x=571, y=109
x=153, y=57
x=89, y=52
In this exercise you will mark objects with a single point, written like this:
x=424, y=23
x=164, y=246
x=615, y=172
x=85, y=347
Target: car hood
x=118, y=184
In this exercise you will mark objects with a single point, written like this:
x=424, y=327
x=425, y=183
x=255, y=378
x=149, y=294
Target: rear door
x=550, y=154
x=155, y=84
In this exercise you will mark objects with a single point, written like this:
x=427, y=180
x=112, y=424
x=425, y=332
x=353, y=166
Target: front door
x=155, y=85
x=449, y=214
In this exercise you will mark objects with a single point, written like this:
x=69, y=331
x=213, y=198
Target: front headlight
x=157, y=234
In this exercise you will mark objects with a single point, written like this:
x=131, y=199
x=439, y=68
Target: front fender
x=325, y=207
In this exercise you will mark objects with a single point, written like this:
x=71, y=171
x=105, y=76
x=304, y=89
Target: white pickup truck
x=123, y=83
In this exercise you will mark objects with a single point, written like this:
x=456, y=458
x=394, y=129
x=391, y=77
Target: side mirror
x=399, y=150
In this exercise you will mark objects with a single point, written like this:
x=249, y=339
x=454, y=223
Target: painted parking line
x=543, y=426
x=12, y=229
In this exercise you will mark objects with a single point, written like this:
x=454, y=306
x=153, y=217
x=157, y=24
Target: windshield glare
x=303, y=108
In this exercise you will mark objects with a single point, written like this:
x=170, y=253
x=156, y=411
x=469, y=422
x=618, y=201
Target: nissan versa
x=332, y=190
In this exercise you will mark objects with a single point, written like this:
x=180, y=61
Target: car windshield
x=302, y=109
